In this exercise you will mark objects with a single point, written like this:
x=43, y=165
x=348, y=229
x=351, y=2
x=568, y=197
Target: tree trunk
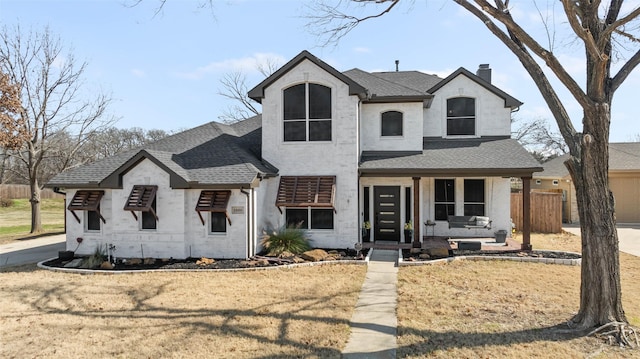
x=36, y=219
x=600, y=292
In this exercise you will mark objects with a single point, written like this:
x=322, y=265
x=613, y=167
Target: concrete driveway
x=628, y=237
x=31, y=250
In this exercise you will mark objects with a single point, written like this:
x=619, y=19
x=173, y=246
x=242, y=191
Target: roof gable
x=207, y=156
x=257, y=93
x=509, y=101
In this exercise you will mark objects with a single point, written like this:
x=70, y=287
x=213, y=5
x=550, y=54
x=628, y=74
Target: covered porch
x=421, y=191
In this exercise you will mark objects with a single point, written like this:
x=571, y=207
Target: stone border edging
x=41, y=265
x=561, y=261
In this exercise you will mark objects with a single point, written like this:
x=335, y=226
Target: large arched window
x=391, y=122
x=461, y=116
x=307, y=113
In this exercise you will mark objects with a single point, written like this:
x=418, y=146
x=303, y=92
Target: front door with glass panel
x=386, y=202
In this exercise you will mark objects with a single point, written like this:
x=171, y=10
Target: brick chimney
x=484, y=72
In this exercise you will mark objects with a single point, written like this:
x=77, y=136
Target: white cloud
x=247, y=65
x=138, y=73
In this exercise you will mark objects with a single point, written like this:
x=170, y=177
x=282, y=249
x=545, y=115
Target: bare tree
x=539, y=139
x=606, y=34
x=234, y=87
x=56, y=111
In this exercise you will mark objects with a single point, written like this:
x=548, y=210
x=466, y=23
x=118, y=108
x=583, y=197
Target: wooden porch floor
x=488, y=244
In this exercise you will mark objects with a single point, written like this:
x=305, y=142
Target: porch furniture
x=469, y=222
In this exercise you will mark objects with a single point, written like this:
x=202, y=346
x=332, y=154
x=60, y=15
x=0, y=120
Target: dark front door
x=386, y=207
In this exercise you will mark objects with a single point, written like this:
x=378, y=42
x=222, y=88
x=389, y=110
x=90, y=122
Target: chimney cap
x=484, y=66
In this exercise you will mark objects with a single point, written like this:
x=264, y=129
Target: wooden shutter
x=140, y=199
x=213, y=201
x=85, y=200
x=306, y=191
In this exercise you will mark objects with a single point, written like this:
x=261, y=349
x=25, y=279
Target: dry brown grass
x=500, y=309
x=301, y=312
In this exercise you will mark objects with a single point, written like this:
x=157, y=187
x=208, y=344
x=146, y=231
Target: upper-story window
x=307, y=113
x=461, y=116
x=391, y=123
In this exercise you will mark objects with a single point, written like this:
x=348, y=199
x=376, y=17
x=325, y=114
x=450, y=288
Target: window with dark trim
x=218, y=222
x=445, y=200
x=307, y=113
x=474, y=197
x=461, y=116
x=319, y=218
x=93, y=220
x=391, y=123
x=149, y=219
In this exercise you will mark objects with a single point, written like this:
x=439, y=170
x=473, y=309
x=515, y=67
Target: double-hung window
x=474, y=197
x=461, y=116
x=307, y=113
x=445, y=200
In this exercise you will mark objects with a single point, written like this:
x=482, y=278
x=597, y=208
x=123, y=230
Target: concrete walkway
x=31, y=250
x=374, y=322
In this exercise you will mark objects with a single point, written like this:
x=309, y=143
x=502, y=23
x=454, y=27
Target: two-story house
x=331, y=151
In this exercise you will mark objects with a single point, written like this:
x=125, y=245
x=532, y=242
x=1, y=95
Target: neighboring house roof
x=462, y=157
x=623, y=157
x=257, y=93
x=554, y=169
x=509, y=101
x=208, y=156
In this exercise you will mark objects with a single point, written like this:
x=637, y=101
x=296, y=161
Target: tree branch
x=625, y=71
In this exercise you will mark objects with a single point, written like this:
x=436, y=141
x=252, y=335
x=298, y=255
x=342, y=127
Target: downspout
x=249, y=225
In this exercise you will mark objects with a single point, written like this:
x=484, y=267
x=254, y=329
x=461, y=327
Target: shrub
x=289, y=239
x=6, y=202
x=95, y=260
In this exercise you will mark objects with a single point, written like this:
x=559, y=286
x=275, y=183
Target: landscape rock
x=424, y=256
x=106, y=265
x=205, y=261
x=314, y=255
x=149, y=261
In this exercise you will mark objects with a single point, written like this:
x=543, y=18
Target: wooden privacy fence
x=16, y=191
x=546, y=211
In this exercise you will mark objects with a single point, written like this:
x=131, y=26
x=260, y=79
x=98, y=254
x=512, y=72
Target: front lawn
x=302, y=313
x=15, y=221
x=503, y=309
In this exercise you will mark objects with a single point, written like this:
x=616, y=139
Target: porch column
x=526, y=213
x=416, y=213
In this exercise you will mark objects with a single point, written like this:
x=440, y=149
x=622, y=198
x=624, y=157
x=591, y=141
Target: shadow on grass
x=276, y=324
x=432, y=340
x=38, y=235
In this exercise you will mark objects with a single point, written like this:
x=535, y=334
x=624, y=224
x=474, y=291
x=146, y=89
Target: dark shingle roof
x=207, y=155
x=486, y=156
x=623, y=156
x=379, y=87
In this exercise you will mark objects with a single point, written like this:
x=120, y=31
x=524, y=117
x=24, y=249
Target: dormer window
x=307, y=113
x=461, y=116
x=391, y=123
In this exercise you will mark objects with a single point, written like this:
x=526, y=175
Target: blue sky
x=163, y=70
